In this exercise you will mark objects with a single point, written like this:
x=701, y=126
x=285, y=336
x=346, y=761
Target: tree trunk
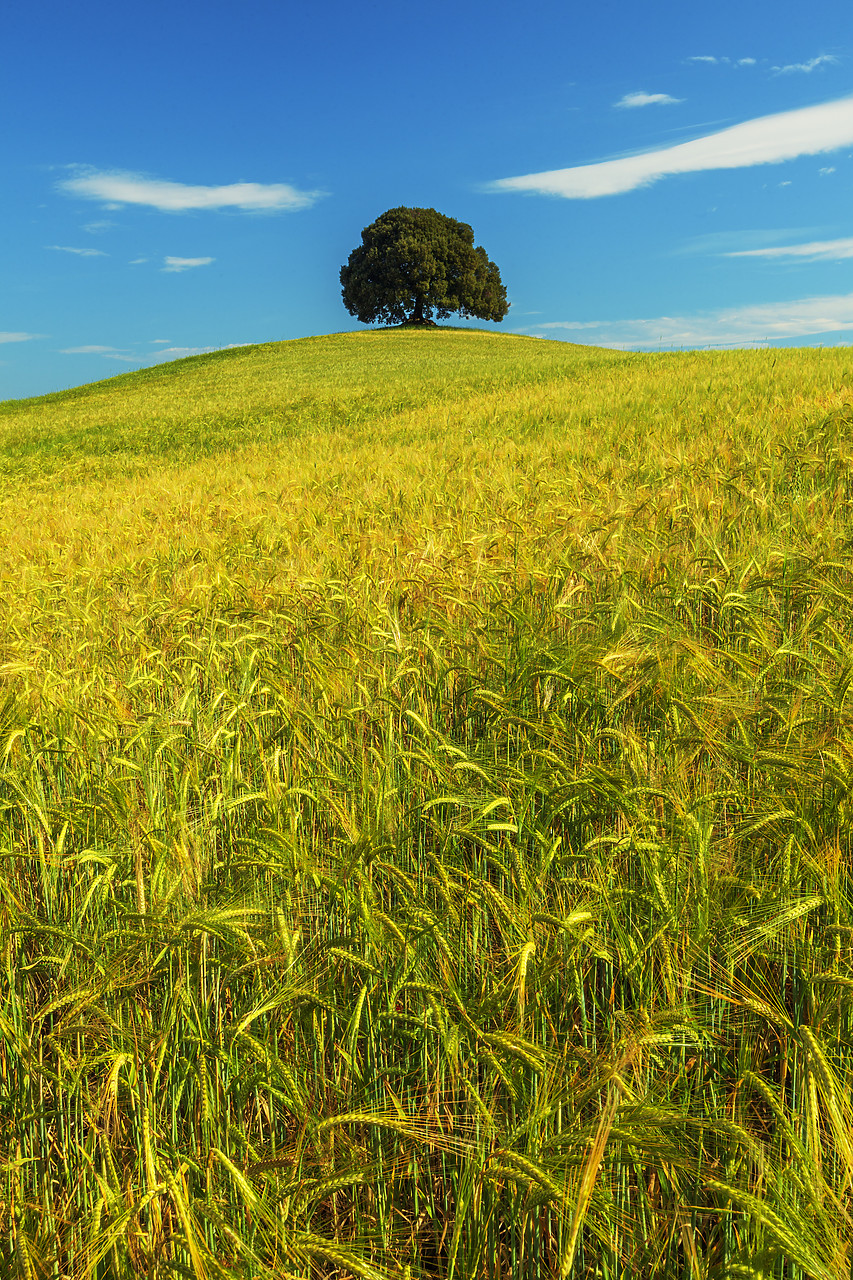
x=417, y=316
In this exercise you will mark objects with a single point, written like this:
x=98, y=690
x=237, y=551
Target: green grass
x=425, y=771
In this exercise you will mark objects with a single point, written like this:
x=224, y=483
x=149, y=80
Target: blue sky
x=184, y=177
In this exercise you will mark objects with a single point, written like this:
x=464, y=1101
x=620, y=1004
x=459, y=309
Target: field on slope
x=426, y=774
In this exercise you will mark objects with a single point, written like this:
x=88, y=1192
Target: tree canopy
x=413, y=263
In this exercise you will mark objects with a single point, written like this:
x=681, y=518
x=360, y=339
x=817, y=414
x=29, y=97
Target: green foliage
x=412, y=263
x=426, y=816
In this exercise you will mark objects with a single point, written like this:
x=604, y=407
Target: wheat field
x=426, y=775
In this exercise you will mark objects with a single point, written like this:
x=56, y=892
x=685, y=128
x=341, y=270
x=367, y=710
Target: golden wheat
x=425, y=765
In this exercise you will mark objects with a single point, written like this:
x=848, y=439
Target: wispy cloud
x=149, y=357
x=120, y=188
x=81, y=253
x=181, y=353
x=814, y=251
x=725, y=242
x=713, y=61
x=825, y=59
x=185, y=264
x=19, y=337
x=733, y=326
x=643, y=99
x=766, y=140
x=110, y=353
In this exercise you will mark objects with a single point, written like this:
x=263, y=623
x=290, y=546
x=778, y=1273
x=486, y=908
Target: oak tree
x=413, y=263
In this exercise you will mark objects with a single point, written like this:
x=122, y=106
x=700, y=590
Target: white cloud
x=728, y=62
x=815, y=251
x=181, y=353
x=724, y=243
x=811, y=65
x=733, y=326
x=825, y=172
x=94, y=228
x=642, y=99
x=119, y=188
x=185, y=264
x=147, y=358
x=83, y=253
x=766, y=140
x=137, y=262
x=94, y=350
x=19, y=337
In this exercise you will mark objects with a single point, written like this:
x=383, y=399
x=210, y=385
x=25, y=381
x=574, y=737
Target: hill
x=426, y=774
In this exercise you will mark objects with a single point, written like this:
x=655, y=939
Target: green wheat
x=425, y=769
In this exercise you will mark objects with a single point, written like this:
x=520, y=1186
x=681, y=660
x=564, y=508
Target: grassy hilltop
x=426, y=771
